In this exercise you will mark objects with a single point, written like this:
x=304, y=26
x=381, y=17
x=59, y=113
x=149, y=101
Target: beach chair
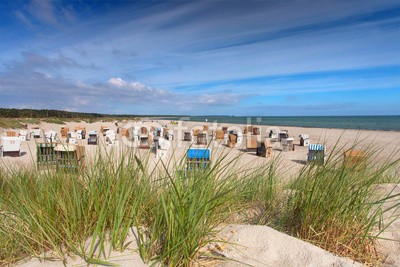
x=125, y=132
x=239, y=137
x=304, y=139
x=162, y=149
x=11, y=146
x=187, y=136
x=170, y=134
x=64, y=132
x=72, y=138
x=144, y=141
x=23, y=135
x=111, y=138
x=256, y=131
x=202, y=139
x=92, y=138
x=50, y=136
x=283, y=134
x=355, y=159
x=248, y=130
x=46, y=156
x=81, y=132
x=219, y=135
x=144, y=130
x=287, y=144
x=103, y=130
x=36, y=132
x=69, y=157
x=316, y=153
x=264, y=149
x=273, y=134
x=195, y=134
x=198, y=158
x=232, y=140
x=251, y=143
x=11, y=133
x=225, y=130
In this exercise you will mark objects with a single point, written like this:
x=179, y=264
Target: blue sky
x=202, y=57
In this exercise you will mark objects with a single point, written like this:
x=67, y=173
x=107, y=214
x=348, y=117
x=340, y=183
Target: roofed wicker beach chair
x=232, y=140
x=93, y=138
x=316, y=153
x=219, y=135
x=162, y=149
x=251, y=143
x=11, y=146
x=198, y=158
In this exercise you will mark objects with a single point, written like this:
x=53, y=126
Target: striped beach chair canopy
x=316, y=147
x=198, y=153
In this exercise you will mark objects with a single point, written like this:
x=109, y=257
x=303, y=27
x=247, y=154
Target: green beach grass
x=178, y=212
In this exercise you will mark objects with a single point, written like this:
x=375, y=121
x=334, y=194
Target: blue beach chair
x=316, y=153
x=198, y=157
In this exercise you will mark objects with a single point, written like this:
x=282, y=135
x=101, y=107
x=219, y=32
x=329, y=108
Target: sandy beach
x=255, y=245
x=339, y=140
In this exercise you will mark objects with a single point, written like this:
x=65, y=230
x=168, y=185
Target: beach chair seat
x=198, y=158
x=316, y=153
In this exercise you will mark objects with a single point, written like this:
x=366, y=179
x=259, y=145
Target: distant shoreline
x=389, y=123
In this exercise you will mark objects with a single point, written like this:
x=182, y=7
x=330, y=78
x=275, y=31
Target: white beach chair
x=111, y=138
x=170, y=134
x=304, y=140
x=163, y=146
x=50, y=136
x=11, y=146
x=23, y=135
x=72, y=138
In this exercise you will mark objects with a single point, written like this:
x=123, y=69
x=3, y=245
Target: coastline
x=253, y=119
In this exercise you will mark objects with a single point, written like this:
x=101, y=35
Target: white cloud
x=118, y=82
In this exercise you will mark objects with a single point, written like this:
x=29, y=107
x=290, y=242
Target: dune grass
x=335, y=205
x=177, y=211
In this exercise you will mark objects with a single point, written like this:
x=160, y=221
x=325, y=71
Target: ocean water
x=384, y=123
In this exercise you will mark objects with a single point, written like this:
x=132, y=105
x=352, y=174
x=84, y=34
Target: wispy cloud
x=180, y=56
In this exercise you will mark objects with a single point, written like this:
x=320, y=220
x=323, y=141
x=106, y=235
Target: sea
x=382, y=123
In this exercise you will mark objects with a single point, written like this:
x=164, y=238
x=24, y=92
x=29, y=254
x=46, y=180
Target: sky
x=244, y=58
